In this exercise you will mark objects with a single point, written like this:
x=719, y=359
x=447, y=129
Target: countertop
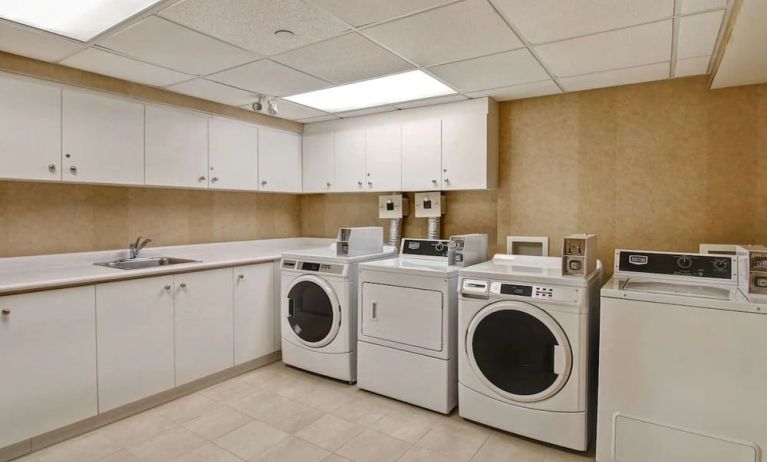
x=26, y=274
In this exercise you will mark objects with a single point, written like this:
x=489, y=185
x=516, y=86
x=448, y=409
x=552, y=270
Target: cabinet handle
x=434, y=181
x=375, y=310
x=370, y=183
x=6, y=311
x=214, y=179
x=73, y=169
x=327, y=184
x=263, y=182
x=241, y=277
x=167, y=287
x=182, y=285
x=51, y=168
x=359, y=183
x=202, y=178
x=447, y=180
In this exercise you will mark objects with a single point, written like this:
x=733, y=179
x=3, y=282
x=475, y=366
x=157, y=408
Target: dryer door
x=314, y=313
x=519, y=351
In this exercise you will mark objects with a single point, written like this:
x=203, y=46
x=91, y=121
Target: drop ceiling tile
x=694, y=6
x=344, y=59
x=213, y=91
x=318, y=119
x=634, y=46
x=103, y=62
x=527, y=90
x=541, y=21
x=366, y=111
x=499, y=70
x=251, y=23
x=658, y=71
x=430, y=101
x=698, y=33
x=269, y=78
x=451, y=33
x=692, y=66
x=293, y=111
x=33, y=43
x=364, y=12
x=161, y=42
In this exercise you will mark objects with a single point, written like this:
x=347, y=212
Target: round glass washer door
x=519, y=351
x=314, y=313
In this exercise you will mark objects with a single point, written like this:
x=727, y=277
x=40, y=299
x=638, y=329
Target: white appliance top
x=328, y=255
x=527, y=268
x=415, y=266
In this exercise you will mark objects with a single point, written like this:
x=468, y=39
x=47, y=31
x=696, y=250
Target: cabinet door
x=464, y=152
x=204, y=323
x=318, y=162
x=422, y=155
x=30, y=130
x=253, y=311
x=103, y=139
x=384, y=158
x=233, y=155
x=350, y=160
x=48, y=361
x=176, y=148
x=279, y=161
x=135, y=340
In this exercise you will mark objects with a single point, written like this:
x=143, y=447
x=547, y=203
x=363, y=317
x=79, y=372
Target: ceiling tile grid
x=25, y=41
x=103, y=62
x=526, y=90
x=360, y=13
x=647, y=73
x=213, y=91
x=270, y=78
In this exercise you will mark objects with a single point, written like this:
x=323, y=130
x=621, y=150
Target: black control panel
x=425, y=247
x=682, y=264
x=516, y=289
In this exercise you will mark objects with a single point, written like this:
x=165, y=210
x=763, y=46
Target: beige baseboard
x=84, y=426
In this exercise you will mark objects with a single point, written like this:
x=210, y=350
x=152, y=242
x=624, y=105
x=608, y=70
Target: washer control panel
x=705, y=266
x=312, y=266
x=431, y=248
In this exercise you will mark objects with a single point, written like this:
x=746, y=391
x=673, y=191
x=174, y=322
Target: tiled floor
x=281, y=414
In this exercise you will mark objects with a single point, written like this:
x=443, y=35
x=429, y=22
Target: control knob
x=684, y=262
x=720, y=264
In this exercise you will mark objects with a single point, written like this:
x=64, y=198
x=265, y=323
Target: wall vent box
x=579, y=254
x=752, y=268
x=359, y=241
x=717, y=249
x=537, y=246
x=429, y=204
x=392, y=206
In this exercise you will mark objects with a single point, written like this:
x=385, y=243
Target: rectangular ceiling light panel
x=78, y=19
x=391, y=89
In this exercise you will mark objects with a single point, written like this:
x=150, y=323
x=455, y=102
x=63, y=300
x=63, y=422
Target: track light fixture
x=259, y=104
x=271, y=106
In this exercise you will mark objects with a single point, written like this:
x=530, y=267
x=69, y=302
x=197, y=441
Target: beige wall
x=40, y=218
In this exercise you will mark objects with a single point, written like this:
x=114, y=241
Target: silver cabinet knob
x=263, y=182
x=5, y=311
x=370, y=183
x=327, y=184
x=73, y=169
x=201, y=179
x=51, y=168
x=214, y=179
x=359, y=183
x=167, y=287
x=241, y=277
x=434, y=181
x=182, y=285
x=446, y=180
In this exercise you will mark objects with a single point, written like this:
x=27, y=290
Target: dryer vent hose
x=433, y=228
x=395, y=230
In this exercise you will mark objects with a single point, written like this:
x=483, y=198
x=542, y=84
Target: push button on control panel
x=574, y=265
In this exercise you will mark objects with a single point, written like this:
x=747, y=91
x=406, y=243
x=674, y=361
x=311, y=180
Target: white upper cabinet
x=422, y=155
x=383, y=162
x=176, y=148
x=279, y=161
x=318, y=162
x=30, y=130
x=349, y=161
x=469, y=152
x=103, y=139
x=233, y=155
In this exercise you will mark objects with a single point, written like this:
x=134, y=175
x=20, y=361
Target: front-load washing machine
x=319, y=310
x=408, y=321
x=525, y=347
x=683, y=355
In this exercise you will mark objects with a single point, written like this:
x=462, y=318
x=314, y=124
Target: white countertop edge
x=44, y=272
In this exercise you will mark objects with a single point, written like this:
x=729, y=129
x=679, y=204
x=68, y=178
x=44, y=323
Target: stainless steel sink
x=142, y=262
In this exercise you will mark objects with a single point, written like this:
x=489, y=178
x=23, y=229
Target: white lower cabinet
x=204, y=323
x=134, y=323
x=253, y=311
x=48, y=361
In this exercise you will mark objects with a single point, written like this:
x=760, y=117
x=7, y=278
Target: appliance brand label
x=638, y=259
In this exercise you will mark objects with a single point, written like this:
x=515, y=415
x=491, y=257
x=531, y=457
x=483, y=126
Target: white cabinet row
x=69, y=354
x=455, y=152
x=61, y=134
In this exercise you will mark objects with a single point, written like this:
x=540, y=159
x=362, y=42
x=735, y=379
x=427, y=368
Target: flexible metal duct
x=433, y=232
x=395, y=229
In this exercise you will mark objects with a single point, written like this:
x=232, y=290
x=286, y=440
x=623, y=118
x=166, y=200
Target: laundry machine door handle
x=374, y=310
x=560, y=360
x=291, y=307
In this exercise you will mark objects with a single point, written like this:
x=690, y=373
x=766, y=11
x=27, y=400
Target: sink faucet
x=135, y=247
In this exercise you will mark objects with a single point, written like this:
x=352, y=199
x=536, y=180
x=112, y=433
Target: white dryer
x=683, y=362
x=525, y=333
x=319, y=310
